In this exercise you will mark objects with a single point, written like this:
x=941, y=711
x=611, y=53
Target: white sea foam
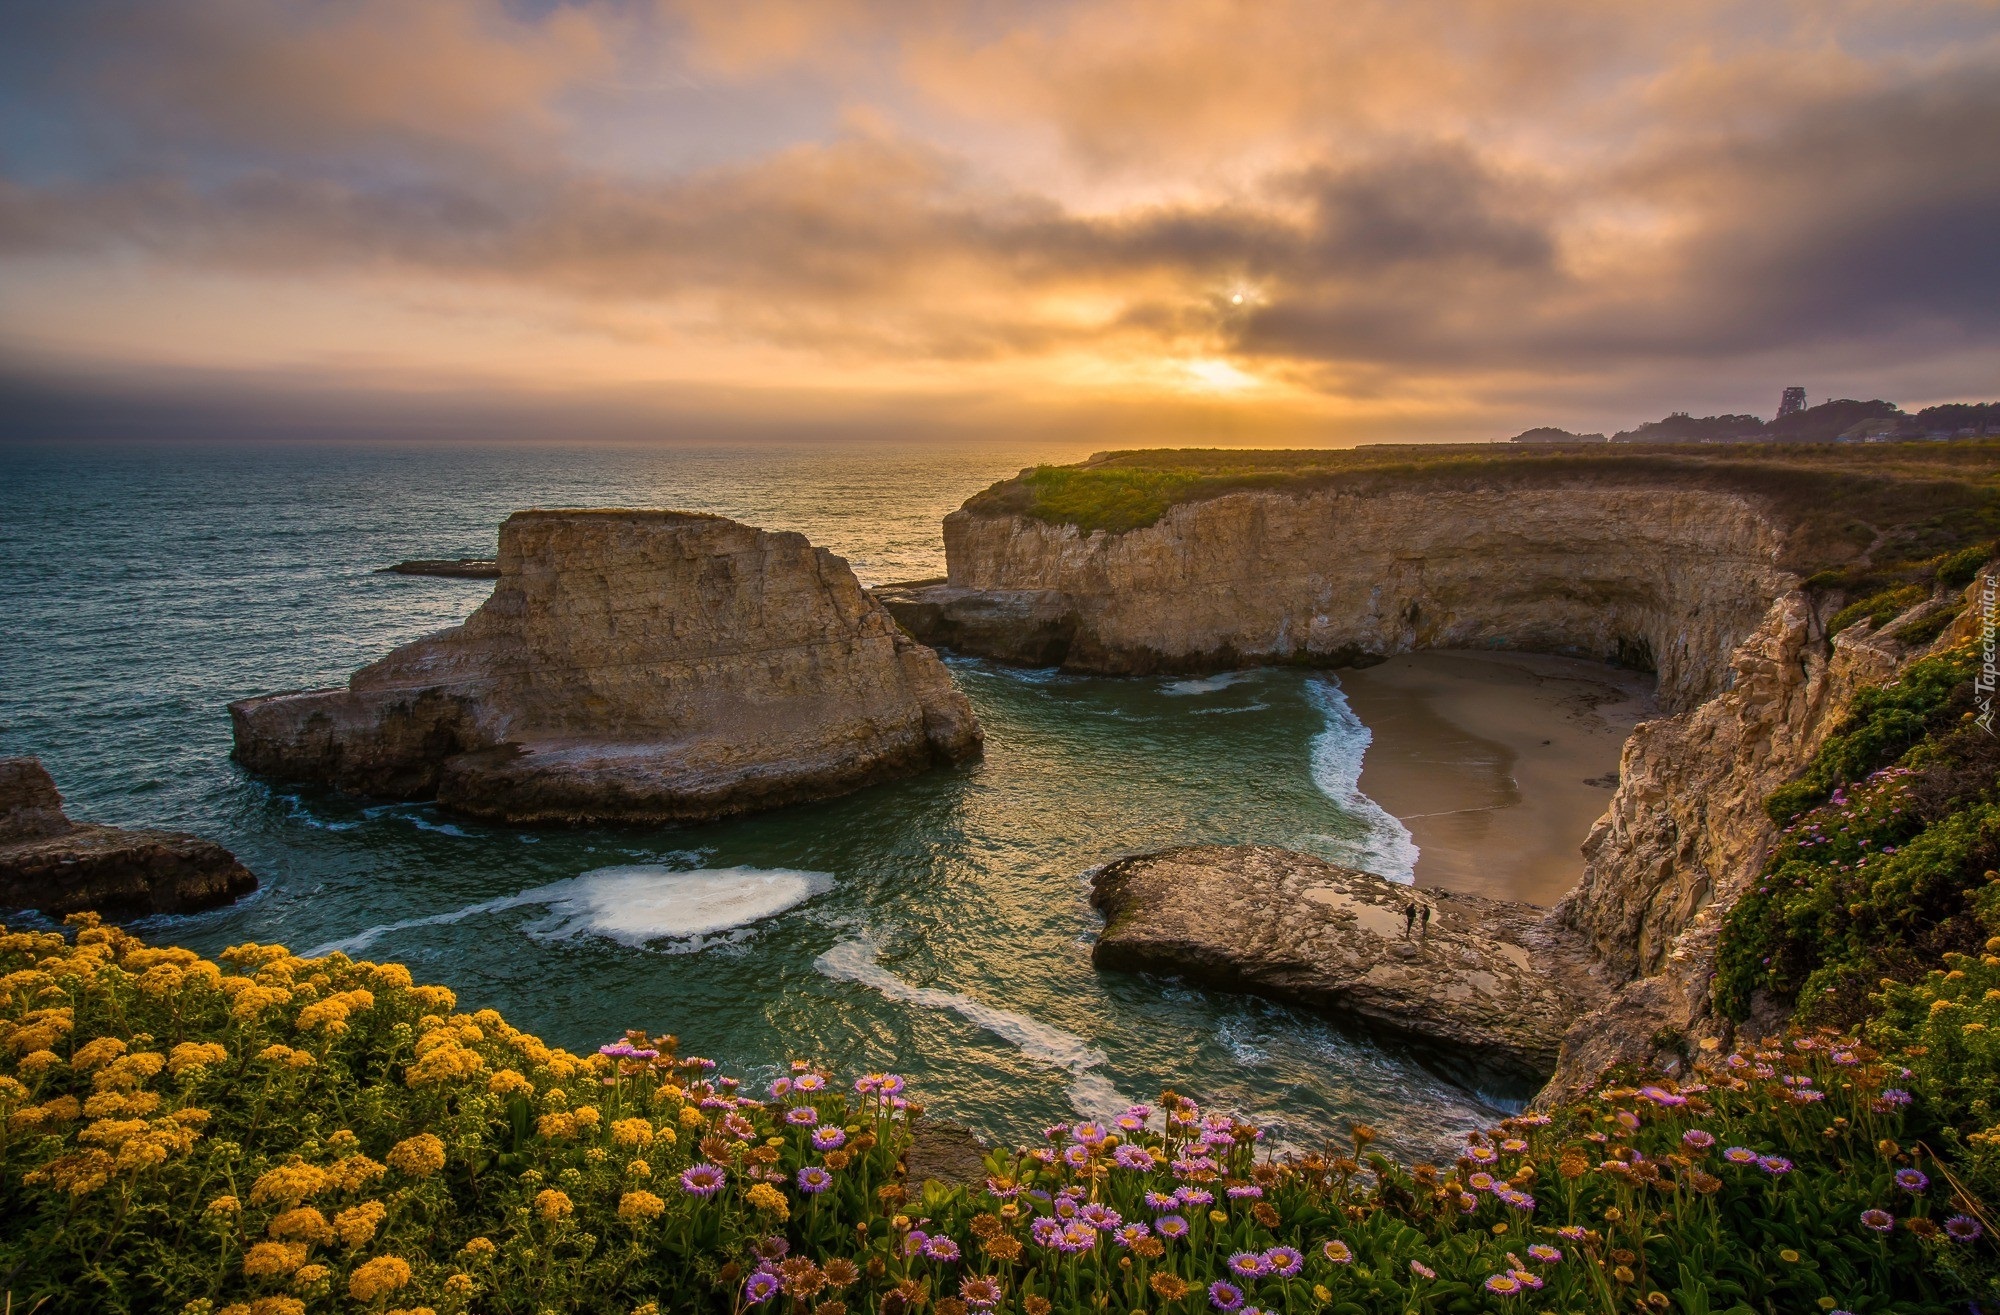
x=1090, y=1092
x=1204, y=685
x=1387, y=848
x=634, y=905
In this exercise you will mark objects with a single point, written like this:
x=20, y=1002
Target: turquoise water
x=938, y=926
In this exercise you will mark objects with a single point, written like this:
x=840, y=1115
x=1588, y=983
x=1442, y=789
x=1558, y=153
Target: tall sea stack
x=631, y=666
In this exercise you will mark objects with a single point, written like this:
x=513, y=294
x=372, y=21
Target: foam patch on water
x=1386, y=848
x=1090, y=1092
x=1204, y=685
x=634, y=905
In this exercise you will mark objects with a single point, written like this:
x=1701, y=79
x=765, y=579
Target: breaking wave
x=1386, y=846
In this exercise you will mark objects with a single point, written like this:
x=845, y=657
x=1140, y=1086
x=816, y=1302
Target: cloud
x=1429, y=204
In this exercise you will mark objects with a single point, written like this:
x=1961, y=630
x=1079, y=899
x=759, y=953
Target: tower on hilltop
x=1793, y=402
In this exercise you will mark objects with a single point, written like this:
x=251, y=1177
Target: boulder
x=1487, y=986
x=1029, y=627
x=631, y=666
x=450, y=568
x=57, y=866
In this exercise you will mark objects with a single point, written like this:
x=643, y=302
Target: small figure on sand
x=1426, y=916
x=1409, y=919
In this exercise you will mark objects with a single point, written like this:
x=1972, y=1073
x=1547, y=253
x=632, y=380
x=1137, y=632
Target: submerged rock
x=50, y=863
x=1486, y=983
x=631, y=666
x=451, y=568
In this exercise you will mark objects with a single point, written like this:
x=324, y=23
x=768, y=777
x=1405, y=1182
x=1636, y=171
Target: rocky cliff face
x=645, y=666
x=1636, y=572
x=57, y=866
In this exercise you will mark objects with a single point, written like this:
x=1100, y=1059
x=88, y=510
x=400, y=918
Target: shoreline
x=1498, y=762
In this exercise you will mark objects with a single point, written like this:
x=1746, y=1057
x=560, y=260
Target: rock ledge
x=1488, y=985
x=50, y=863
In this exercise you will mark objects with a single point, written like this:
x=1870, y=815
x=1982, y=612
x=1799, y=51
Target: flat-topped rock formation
x=450, y=568
x=1486, y=983
x=58, y=867
x=631, y=666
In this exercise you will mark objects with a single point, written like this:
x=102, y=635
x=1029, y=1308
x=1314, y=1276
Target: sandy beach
x=1497, y=762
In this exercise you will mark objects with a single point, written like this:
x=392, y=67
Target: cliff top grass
x=1843, y=504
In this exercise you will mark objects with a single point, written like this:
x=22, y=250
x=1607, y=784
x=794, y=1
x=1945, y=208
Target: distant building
x=1793, y=402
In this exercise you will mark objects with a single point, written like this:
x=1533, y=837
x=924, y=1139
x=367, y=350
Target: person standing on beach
x=1409, y=919
x=1426, y=916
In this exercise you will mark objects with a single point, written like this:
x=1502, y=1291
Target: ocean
x=939, y=927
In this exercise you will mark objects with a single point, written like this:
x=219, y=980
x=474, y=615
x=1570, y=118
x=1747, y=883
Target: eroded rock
x=631, y=666
x=1486, y=982
x=58, y=867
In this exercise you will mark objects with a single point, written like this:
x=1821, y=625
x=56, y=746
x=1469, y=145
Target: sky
x=1284, y=221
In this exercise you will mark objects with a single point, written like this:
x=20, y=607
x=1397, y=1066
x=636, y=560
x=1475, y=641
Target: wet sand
x=1498, y=763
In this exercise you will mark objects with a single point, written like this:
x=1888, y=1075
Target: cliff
x=49, y=863
x=641, y=666
x=1635, y=572
x=1722, y=574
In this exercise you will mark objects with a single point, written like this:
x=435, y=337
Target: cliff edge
x=631, y=666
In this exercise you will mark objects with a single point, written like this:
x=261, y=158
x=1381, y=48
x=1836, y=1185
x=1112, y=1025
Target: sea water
x=938, y=926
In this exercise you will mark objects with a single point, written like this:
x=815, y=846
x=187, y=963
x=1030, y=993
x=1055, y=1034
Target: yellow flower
x=551, y=1204
x=273, y=1258
x=288, y=1184
x=769, y=1199
x=303, y=1224
x=378, y=1278
x=419, y=1156
x=459, y=1285
x=691, y=1117
x=195, y=1054
x=332, y=1013
x=96, y=1054
x=640, y=1205
x=638, y=1169
x=310, y=1275
x=1789, y=1256
x=586, y=1116
x=224, y=1205
x=479, y=1248
x=509, y=1083
x=357, y=1224
x=443, y=1064
x=632, y=1132
x=354, y=1173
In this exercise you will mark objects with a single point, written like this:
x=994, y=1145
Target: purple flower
x=1076, y=1237
x=1283, y=1261
x=1099, y=1216
x=1912, y=1180
x=1133, y=1157
x=1572, y=1232
x=1089, y=1134
x=1696, y=1139
x=802, y=1116
x=828, y=1137
x=1775, y=1165
x=1421, y=1270
x=1892, y=1098
x=1740, y=1155
x=1045, y=1231
x=813, y=1180
x=1076, y=1156
x=1963, y=1228
x=1246, y=1264
x=760, y=1287
x=1248, y=1191
x=1879, y=1220
x=1662, y=1097
x=941, y=1248
x=808, y=1082
x=1545, y=1253
x=703, y=1179
x=1194, y=1196
x=617, y=1049
x=1162, y=1202
x=1338, y=1252
x=1222, y=1296
x=1172, y=1226
x=1130, y=1234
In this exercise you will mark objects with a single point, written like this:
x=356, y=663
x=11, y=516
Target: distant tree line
x=1842, y=420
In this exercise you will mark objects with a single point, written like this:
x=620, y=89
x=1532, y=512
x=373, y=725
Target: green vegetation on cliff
x=1895, y=503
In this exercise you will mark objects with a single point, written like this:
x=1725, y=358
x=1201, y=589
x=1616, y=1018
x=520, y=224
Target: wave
x=1204, y=685
x=633, y=905
x=1386, y=846
x=1090, y=1092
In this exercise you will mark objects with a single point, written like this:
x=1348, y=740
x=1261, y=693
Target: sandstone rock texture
x=631, y=666
x=58, y=867
x=1640, y=572
x=1488, y=984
